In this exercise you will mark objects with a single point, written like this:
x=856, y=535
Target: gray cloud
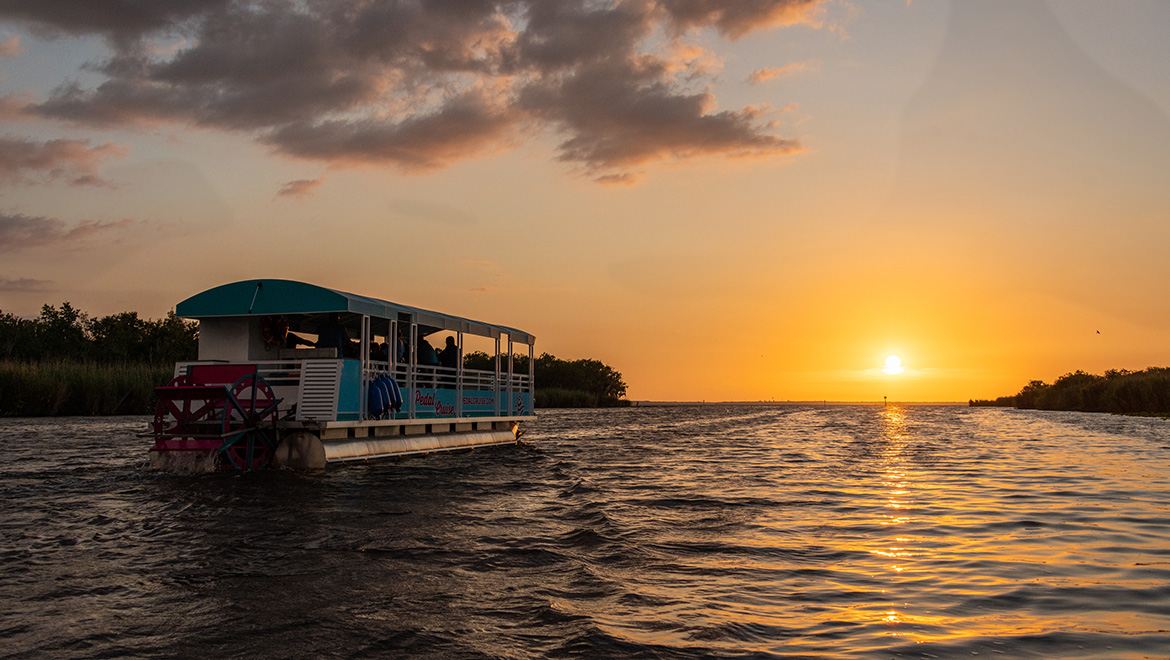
x=622, y=118
x=72, y=161
x=300, y=187
x=25, y=285
x=20, y=232
x=465, y=125
x=420, y=85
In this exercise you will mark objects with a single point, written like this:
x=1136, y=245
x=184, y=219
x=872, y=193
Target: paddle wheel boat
x=300, y=376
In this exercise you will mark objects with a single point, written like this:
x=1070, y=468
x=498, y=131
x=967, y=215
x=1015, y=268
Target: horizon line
x=817, y=402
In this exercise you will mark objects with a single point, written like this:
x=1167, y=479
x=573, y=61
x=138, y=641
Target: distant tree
x=61, y=333
x=1118, y=391
x=1000, y=402
x=119, y=338
x=479, y=360
x=591, y=376
x=67, y=334
x=171, y=339
x=1027, y=396
x=603, y=385
x=18, y=337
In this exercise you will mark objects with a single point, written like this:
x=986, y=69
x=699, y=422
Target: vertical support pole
x=391, y=354
x=459, y=375
x=364, y=352
x=392, y=348
x=412, y=367
x=497, y=391
x=511, y=377
x=531, y=376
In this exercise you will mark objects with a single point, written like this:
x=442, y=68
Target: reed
x=556, y=397
x=36, y=389
x=560, y=397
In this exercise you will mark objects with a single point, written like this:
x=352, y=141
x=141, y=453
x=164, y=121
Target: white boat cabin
x=337, y=359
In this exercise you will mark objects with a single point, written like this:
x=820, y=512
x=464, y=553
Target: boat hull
x=373, y=448
x=302, y=449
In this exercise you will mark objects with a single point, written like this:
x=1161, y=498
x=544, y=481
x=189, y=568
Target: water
x=700, y=532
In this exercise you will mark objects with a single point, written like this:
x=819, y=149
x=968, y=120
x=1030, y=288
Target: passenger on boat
x=378, y=351
x=449, y=359
x=333, y=335
x=427, y=359
x=401, y=347
x=449, y=356
x=426, y=353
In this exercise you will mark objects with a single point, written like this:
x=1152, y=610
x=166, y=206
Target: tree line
x=1117, y=391
x=66, y=334
x=584, y=383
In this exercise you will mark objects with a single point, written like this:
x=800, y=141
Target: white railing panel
x=320, y=382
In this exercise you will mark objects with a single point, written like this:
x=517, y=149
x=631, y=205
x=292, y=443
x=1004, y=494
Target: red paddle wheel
x=228, y=411
x=252, y=424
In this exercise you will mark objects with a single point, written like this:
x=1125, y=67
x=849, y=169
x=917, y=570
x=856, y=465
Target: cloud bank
x=299, y=188
x=421, y=84
x=24, y=285
x=20, y=232
x=72, y=161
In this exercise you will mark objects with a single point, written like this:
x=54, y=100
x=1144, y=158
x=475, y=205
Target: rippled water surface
x=692, y=532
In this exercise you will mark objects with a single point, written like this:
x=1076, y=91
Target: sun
x=893, y=366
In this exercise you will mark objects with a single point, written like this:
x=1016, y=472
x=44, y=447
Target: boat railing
x=446, y=377
x=477, y=379
x=284, y=376
x=280, y=373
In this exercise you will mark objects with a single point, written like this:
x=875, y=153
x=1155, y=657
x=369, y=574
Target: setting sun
x=893, y=365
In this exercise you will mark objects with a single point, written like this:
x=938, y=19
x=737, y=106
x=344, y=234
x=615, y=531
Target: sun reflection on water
x=899, y=507
x=895, y=480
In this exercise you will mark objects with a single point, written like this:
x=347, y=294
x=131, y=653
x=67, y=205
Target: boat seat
x=219, y=374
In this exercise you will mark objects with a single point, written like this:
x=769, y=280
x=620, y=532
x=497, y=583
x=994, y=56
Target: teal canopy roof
x=261, y=297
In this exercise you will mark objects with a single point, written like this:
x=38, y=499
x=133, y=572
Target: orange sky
x=722, y=204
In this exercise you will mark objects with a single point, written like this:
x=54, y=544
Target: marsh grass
x=555, y=397
x=559, y=397
x=78, y=388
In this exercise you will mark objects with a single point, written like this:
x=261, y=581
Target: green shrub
x=1117, y=391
